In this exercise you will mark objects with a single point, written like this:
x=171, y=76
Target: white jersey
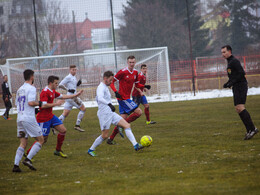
x=70, y=82
x=26, y=93
x=103, y=98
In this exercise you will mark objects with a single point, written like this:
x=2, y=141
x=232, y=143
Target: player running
x=26, y=121
x=138, y=95
x=70, y=84
x=127, y=77
x=46, y=119
x=106, y=115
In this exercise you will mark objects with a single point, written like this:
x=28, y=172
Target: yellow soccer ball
x=146, y=140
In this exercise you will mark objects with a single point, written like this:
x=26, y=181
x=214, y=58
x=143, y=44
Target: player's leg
x=98, y=141
x=8, y=108
x=146, y=110
x=23, y=136
x=129, y=134
x=59, y=126
x=239, y=95
x=80, y=117
x=110, y=140
x=64, y=114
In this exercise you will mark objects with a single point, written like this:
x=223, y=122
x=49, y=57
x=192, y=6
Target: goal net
x=91, y=66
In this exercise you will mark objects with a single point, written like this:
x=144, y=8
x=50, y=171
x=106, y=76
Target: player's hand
x=79, y=82
x=147, y=87
x=6, y=99
x=71, y=90
x=112, y=107
x=141, y=93
x=227, y=85
x=118, y=95
x=60, y=102
x=79, y=93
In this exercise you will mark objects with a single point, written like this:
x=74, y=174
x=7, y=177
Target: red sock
x=132, y=117
x=30, y=148
x=147, y=114
x=60, y=139
x=113, y=135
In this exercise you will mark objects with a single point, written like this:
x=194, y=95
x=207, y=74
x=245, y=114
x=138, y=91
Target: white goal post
x=91, y=66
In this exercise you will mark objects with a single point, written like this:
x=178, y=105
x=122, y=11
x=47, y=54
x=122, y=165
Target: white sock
x=36, y=148
x=80, y=117
x=18, y=156
x=130, y=136
x=97, y=142
x=62, y=118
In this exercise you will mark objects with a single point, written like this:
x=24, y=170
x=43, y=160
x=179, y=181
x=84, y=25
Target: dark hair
x=108, y=74
x=52, y=78
x=130, y=57
x=27, y=74
x=143, y=65
x=229, y=48
x=72, y=66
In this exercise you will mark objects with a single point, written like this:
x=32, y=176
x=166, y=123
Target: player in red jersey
x=46, y=119
x=138, y=95
x=127, y=77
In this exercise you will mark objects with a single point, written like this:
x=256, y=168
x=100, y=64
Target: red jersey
x=126, y=80
x=47, y=96
x=142, y=80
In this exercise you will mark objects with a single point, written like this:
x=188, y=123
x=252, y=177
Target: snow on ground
x=207, y=94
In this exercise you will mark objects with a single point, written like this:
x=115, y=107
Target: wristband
x=40, y=104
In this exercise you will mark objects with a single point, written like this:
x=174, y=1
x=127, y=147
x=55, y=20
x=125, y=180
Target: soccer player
x=70, y=84
x=238, y=82
x=46, y=119
x=6, y=97
x=106, y=115
x=127, y=77
x=138, y=95
x=26, y=121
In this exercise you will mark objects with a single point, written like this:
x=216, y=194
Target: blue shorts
x=46, y=126
x=126, y=106
x=140, y=100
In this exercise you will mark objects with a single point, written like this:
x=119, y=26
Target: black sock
x=246, y=118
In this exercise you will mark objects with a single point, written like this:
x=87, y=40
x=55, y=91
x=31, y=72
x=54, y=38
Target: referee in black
x=6, y=97
x=238, y=82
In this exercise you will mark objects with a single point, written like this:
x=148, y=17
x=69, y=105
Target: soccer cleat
x=9, y=119
x=28, y=163
x=252, y=133
x=60, y=153
x=111, y=142
x=16, y=169
x=92, y=153
x=138, y=147
x=150, y=122
x=25, y=156
x=246, y=135
x=77, y=127
x=4, y=117
x=121, y=130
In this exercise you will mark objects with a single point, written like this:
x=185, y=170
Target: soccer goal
x=91, y=66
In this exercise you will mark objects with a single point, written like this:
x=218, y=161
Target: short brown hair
x=108, y=74
x=130, y=57
x=143, y=65
x=73, y=66
x=27, y=74
x=52, y=78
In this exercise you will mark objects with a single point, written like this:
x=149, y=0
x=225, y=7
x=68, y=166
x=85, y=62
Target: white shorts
x=77, y=102
x=28, y=128
x=105, y=120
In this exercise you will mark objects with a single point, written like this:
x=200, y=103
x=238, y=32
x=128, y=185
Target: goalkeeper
x=70, y=84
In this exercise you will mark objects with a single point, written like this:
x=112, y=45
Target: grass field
x=198, y=148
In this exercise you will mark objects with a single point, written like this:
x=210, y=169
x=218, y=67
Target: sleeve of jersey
x=57, y=95
x=44, y=97
x=32, y=95
x=137, y=83
x=240, y=72
x=64, y=82
x=100, y=96
x=117, y=77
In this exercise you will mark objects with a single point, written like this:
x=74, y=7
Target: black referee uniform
x=6, y=98
x=238, y=82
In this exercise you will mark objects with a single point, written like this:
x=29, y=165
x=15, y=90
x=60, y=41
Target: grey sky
x=96, y=9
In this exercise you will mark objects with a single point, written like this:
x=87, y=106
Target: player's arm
x=63, y=97
x=5, y=93
x=235, y=77
x=64, y=83
x=101, y=99
x=117, y=77
x=32, y=99
x=140, y=91
x=138, y=85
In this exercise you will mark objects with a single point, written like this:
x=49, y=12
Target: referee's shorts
x=240, y=93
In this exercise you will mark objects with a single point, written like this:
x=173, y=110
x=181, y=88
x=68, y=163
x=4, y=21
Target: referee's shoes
x=251, y=134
